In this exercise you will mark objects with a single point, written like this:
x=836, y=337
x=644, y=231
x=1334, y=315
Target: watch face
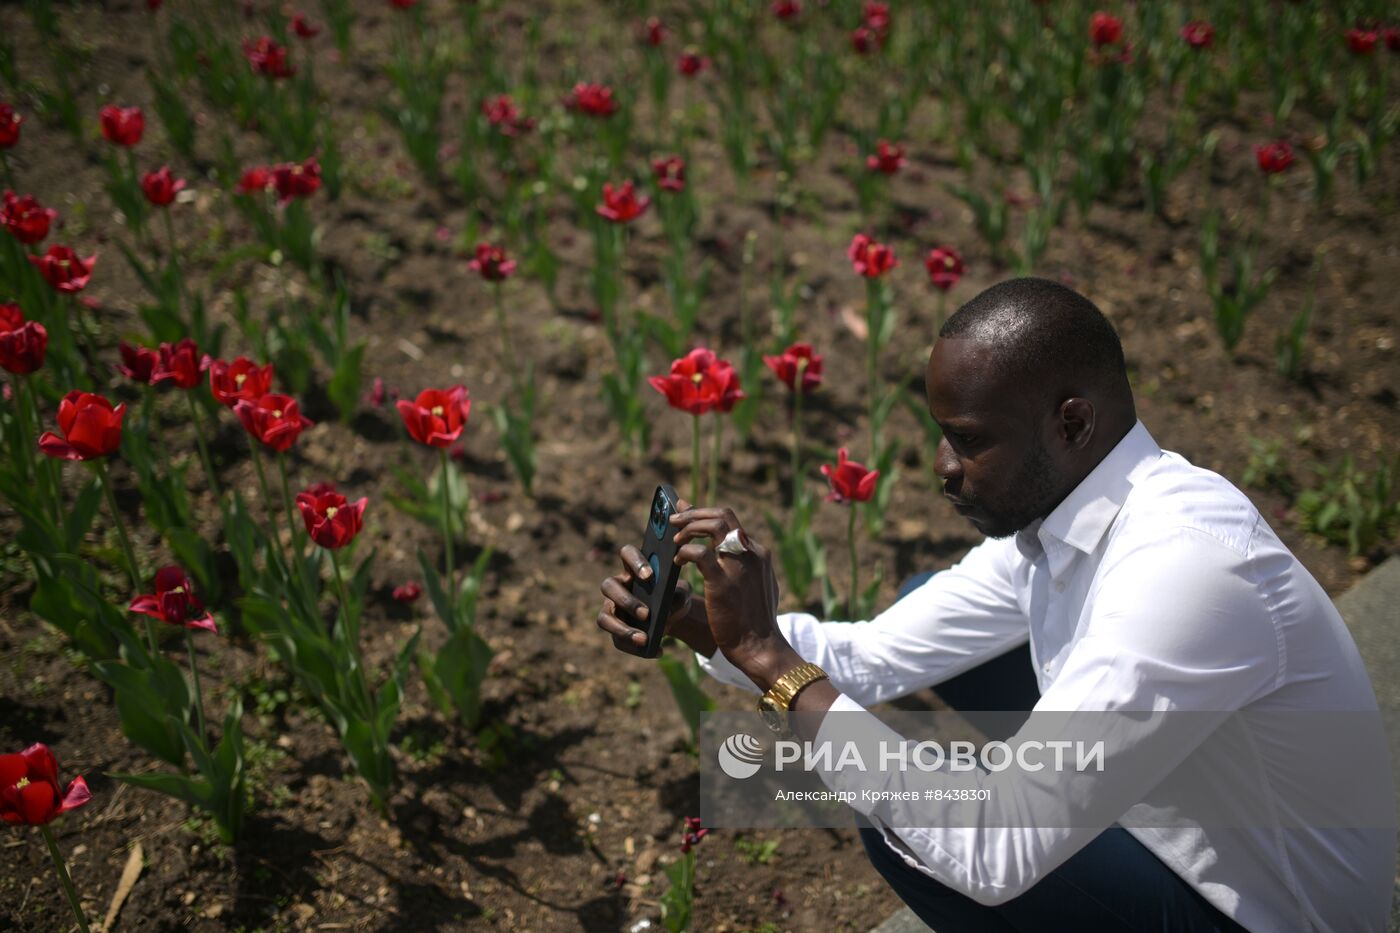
x=773, y=719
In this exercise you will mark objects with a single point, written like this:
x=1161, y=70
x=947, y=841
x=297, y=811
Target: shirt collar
x=1081, y=519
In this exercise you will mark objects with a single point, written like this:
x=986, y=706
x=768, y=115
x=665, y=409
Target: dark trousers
x=1112, y=884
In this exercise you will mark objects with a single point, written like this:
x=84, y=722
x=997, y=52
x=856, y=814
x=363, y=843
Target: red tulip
x=275, y=420
x=240, y=380
x=798, y=367
x=700, y=382
x=138, y=363
x=692, y=834
x=22, y=343
x=691, y=63
x=869, y=258
x=268, y=58
x=654, y=32
x=64, y=269
x=786, y=10
x=174, y=602
x=1198, y=34
x=887, y=159
x=622, y=205
x=403, y=4
x=876, y=16
x=945, y=267
x=29, y=789
x=850, y=481
x=1362, y=41
x=304, y=28
x=596, y=100
x=670, y=173
x=256, y=179
x=408, y=592
x=502, y=113
x=122, y=126
x=180, y=363
x=1105, y=29
x=865, y=40
x=437, y=416
x=331, y=521
x=27, y=220
x=492, y=263
x=9, y=126
x=296, y=179
x=160, y=186
x=154, y=5
x=1390, y=33
x=1273, y=157
x=91, y=428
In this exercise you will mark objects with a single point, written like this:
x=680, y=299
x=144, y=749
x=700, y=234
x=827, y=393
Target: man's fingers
x=706, y=528
x=701, y=556
x=633, y=562
x=622, y=633
x=686, y=516
x=619, y=595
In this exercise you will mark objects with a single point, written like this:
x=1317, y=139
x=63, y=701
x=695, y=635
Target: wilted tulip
x=122, y=126
x=622, y=205
x=27, y=220
x=275, y=420
x=160, y=186
x=887, y=159
x=30, y=794
x=91, y=426
x=670, y=173
x=181, y=363
x=9, y=126
x=692, y=833
x=945, y=267
x=1274, y=157
x=174, y=602
x=331, y=520
x=700, y=382
x=492, y=263
x=22, y=343
x=798, y=367
x=850, y=481
x=239, y=380
x=437, y=416
x=870, y=258
x=138, y=363
x=63, y=269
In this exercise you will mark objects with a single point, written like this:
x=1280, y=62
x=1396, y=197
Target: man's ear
x=1076, y=427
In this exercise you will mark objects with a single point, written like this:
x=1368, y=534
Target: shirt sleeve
x=1176, y=624
x=959, y=618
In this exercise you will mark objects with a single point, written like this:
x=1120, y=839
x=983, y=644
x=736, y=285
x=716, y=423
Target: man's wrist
x=764, y=664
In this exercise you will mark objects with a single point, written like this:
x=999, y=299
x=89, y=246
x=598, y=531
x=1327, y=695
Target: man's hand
x=741, y=593
x=622, y=611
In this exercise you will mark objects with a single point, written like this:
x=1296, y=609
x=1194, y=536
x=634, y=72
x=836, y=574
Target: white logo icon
x=740, y=756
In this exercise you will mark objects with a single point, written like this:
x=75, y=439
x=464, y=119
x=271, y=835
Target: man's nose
x=945, y=464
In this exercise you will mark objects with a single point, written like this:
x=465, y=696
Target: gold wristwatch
x=778, y=700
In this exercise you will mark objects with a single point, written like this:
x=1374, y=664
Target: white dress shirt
x=1155, y=585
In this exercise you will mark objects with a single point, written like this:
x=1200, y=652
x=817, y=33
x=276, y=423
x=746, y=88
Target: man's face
x=995, y=460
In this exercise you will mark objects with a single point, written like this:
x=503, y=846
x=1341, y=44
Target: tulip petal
x=77, y=796
x=36, y=803
x=40, y=763
x=205, y=624
x=54, y=446
x=12, y=768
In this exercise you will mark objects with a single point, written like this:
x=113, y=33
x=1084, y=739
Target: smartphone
x=659, y=550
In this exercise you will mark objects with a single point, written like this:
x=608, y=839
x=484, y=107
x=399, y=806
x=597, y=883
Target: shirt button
x=1060, y=587
x=1046, y=667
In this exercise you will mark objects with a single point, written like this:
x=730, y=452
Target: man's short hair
x=1046, y=336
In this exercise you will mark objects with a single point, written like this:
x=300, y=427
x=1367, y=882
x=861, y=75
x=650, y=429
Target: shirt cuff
x=718, y=667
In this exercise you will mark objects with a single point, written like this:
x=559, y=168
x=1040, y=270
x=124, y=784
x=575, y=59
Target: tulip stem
x=31, y=398
x=797, y=436
x=62, y=870
x=695, y=502
x=9, y=172
x=349, y=632
x=855, y=567
x=505, y=340
x=26, y=437
x=266, y=493
x=105, y=478
x=297, y=533
x=203, y=448
x=713, y=486
x=450, y=564
x=198, y=693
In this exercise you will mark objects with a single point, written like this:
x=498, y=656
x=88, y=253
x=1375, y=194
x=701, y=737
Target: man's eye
x=964, y=440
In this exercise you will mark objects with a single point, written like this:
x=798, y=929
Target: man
x=1116, y=577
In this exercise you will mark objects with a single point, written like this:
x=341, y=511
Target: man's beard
x=1034, y=488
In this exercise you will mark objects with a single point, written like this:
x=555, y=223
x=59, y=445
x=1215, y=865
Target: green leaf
x=344, y=386
x=80, y=516
x=689, y=697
